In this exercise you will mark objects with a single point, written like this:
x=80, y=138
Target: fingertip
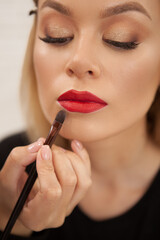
x=77, y=144
x=45, y=152
x=44, y=159
x=34, y=147
x=41, y=140
x=79, y=149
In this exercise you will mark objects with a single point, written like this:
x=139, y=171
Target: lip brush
x=54, y=130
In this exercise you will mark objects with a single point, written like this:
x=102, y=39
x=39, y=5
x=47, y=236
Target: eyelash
x=64, y=41
x=56, y=41
x=122, y=45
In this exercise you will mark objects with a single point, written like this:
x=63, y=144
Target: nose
x=82, y=64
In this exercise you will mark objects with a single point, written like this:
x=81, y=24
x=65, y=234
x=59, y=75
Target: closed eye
x=56, y=41
x=122, y=45
x=64, y=40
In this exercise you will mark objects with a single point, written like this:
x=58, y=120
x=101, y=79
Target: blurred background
x=15, y=24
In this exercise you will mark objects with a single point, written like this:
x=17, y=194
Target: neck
x=121, y=154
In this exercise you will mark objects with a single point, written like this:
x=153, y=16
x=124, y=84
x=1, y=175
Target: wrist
x=18, y=229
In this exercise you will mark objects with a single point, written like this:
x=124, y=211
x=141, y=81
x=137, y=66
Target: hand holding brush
x=64, y=177
x=55, y=128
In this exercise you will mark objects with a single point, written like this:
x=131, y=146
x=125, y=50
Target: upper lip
x=82, y=96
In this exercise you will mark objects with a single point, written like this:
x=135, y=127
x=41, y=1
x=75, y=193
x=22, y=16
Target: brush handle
x=21, y=201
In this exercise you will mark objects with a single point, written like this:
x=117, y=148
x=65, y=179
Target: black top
x=141, y=222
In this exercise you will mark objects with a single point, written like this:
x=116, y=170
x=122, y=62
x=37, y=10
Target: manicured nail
x=78, y=144
x=34, y=147
x=45, y=152
x=40, y=141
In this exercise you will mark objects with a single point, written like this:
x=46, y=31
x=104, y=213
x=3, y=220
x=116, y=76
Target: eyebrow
x=57, y=6
x=115, y=10
x=125, y=7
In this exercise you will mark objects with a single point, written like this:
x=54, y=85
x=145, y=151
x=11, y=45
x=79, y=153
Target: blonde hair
x=36, y=2
x=36, y=123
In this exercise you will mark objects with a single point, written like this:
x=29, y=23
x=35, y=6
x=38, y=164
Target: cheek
x=45, y=64
x=47, y=68
x=139, y=80
x=131, y=84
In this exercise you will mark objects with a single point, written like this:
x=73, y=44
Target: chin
x=82, y=127
x=83, y=134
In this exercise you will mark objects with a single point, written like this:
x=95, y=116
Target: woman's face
x=109, y=48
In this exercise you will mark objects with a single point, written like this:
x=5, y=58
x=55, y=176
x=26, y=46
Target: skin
x=123, y=159
x=126, y=79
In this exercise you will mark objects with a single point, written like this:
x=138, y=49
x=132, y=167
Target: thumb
x=45, y=168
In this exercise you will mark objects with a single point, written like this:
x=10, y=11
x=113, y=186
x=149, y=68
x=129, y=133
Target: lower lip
x=81, y=107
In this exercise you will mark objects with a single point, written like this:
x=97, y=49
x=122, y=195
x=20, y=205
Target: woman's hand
x=12, y=180
x=63, y=179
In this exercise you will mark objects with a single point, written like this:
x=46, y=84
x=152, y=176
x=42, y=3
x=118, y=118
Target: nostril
x=90, y=72
x=70, y=71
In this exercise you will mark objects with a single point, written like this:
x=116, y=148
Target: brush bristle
x=60, y=116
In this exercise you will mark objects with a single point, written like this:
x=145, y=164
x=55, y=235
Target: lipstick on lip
x=80, y=101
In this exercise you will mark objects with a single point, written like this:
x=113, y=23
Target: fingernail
x=78, y=144
x=40, y=141
x=34, y=147
x=45, y=152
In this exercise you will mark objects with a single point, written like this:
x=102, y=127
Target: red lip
x=81, y=101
